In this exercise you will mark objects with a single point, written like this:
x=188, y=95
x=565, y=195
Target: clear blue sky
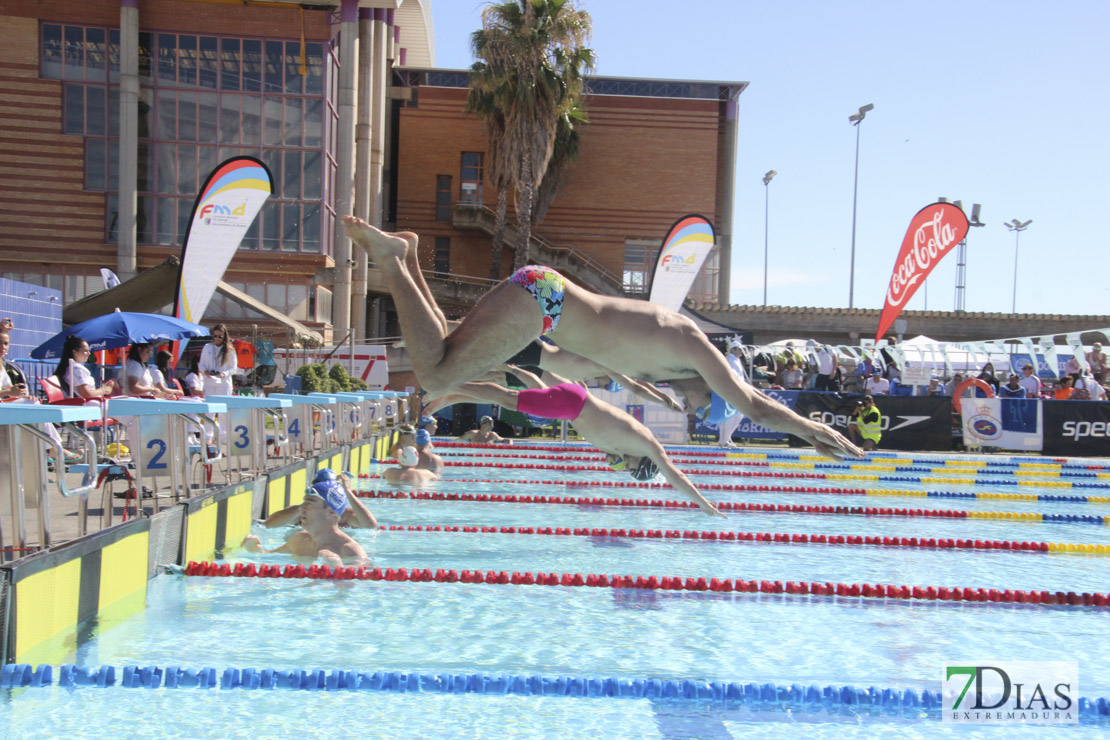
x=1003, y=104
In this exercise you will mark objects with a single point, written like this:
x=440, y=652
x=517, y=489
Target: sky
x=1002, y=104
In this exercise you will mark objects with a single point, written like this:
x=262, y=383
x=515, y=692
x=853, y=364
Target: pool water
x=459, y=628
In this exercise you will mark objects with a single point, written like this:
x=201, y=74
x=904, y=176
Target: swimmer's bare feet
x=380, y=245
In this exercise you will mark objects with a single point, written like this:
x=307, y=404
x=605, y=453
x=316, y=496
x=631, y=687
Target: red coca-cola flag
x=932, y=233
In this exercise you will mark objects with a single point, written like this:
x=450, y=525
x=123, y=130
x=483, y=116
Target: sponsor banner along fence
x=909, y=422
x=749, y=429
x=1008, y=423
x=1076, y=428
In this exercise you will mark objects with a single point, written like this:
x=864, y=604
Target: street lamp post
x=855, y=119
x=961, y=253
x=766, y=214
x=1017, y=227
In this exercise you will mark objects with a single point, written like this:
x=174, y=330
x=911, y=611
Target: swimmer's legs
x=412, y=262
x=471, y=392
x=502, y=322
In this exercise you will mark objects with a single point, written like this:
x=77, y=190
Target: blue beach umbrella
x=120, y=329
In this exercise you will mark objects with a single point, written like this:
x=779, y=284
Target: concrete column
x=392, y=36
x=379, y=71
x=345, y=159
x=126, y=251
x=726, y=176
x=362, y=163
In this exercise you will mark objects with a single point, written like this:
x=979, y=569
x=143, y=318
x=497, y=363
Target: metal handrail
x=281, y=435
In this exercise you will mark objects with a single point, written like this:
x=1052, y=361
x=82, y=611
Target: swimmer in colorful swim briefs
x=629, y=444
x=636, y=338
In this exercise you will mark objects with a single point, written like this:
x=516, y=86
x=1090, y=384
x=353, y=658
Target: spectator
x=935, y=388
x=1030, y=382
x=74, y=378
x=791, y=377
x=1086, y=389
x=826, y=366
x=1096, y=358
x=1012, y=389
x=892, y=373
x=953, y=384
x=867, y=419
x=877, y=384
x=1064, y=389
x=987, y=376
x=863, y=370
x=194, y=381
x=162, y=375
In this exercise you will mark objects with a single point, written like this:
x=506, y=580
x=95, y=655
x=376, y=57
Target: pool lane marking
x=826, y=491
x=653, y=583
x=742, y=507
x=781, y=538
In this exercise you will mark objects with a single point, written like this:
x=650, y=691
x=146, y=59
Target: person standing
x=217, y=362
x=735, y=361
x=826, y=365
x=1096, y=358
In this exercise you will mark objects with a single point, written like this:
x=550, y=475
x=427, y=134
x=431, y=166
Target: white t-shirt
x=77, y=376
x=876, y=384
x=194, y=384
x=1031, y=384
x=140, y=372
x=826, y=361
x=5, y=379
x=737, y=366
x=1097, y=392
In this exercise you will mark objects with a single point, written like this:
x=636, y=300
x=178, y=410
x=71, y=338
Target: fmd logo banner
x=1011, y=692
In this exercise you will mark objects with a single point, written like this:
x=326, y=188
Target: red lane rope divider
x=715, y=536
x=654, y=583
x=655, y=503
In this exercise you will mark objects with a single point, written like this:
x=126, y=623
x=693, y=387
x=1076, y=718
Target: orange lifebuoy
x=970, y=383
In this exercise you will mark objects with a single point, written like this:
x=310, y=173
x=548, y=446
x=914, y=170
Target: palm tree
x=564, y=151
x=532, y=57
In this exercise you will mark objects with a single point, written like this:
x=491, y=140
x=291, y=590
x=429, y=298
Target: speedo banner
x=1076, y=428
x=224, y=209
x=932, y=233
x=909, y=422
x=688, y=242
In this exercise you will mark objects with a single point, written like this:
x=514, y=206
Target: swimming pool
x=494, y=659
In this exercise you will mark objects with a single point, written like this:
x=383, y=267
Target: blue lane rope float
x=268, y=679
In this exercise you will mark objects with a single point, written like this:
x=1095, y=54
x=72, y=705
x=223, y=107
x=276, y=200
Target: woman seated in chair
x=74, y=378
x=139, y=381
x=162, y=375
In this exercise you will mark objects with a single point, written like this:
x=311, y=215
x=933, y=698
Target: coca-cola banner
x=933, y=232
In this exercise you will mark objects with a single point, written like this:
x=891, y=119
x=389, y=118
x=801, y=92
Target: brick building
x=112, y=114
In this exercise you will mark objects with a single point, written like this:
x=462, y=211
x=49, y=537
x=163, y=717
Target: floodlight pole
x=766, y=219
x=855, y=120
x=1017, y=227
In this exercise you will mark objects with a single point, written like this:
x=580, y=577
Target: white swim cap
x=408, y=457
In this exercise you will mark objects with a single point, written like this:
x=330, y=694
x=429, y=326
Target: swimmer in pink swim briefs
x=629, y=444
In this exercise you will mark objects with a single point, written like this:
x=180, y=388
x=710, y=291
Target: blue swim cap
x=332, y=494
x=324, y=474
x=427, y=421
x=423, y=437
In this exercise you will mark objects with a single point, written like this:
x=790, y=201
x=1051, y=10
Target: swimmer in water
x=356, y=516
x=638, y=339
x=628, y=444
x=324, y=504
x=408, y=474
x=484, y=434
x=428, y=459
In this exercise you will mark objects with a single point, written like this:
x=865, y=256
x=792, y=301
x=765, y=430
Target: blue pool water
x=624, y=633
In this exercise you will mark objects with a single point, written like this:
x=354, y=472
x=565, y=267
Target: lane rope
x=1030, y=516
x=812, y=697
x=652, y=583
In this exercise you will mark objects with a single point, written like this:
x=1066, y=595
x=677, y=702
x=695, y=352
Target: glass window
x=470, y=180
x=166, y=120
x=297, y=300
x=113, y=111
x=311, y=228
x=74, y=52
x=251, y=130
x=271, y=225
x=207, y=62
x=229, y=119
x=51, y=51
x=144, y=222
x=146, y=44
x=294, y=83
x=291, y=179
x=250, y=239
x=186, y=169
x=314, y=82
x=206, y=163
x=187, y=116
x=442, y=264
x=96, y=122
x=166, y=167
x=167, y=57
x=290, y=227
x=230, y=55
x=637, y=268
x=144, y=176
x=207, y=116
x=272, y=159
x=314, y=122
x=73, y=110
x=113, y=54
x=273, y=64
x=252, y=65
x=113, y=164
x=95, y=54
x=272, y=126
x=275, y=296
x=313, y=175
x=146, y=112
x=187, y=60
x=293, y=118
x=166, y=232
x=443, y=197
x=184, y=211
x=96, y=172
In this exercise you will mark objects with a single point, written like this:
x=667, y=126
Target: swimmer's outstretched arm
x=363, y=517
x=646, y=391
x=676, y=478
x=284, y=518
x=529, y=379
